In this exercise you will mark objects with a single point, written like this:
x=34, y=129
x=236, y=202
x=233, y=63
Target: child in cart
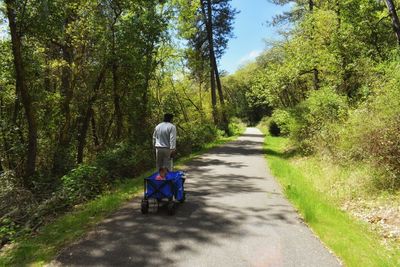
x=162, y=173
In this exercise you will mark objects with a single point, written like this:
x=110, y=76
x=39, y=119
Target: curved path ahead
x=235, y=215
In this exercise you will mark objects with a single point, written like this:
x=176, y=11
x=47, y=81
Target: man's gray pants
x=163, y=158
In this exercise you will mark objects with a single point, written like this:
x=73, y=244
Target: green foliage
x=323, y=107
x=244, y=102
x=314, y=116
x=84, y=183
x=371, y=133
x=236, y=126
x=100, y=75
x=195, y=136
x=8, y=230
x=351, y=240
x=43, y=247
x=125, y=160
x=281, y=123
x=383, y=146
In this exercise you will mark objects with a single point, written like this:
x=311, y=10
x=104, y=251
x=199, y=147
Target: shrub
x=273, y=128
x=263, y=124
x=383, y=145
x=315, y=116
x=193, y=136
x=236, y=126
x=8, y=229
x=84, y=183
x=281, y=122
x=126, y=160
x=16, y=205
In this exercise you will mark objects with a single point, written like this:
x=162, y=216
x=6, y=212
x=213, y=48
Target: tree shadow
x=288, y=154
x=210, y=162
x=240, y=147
x=128, y=238
x=252, y=135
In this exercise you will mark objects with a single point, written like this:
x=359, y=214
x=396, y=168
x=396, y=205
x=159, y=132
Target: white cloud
x=250, y=56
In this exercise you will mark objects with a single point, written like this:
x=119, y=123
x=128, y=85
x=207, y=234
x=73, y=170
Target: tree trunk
x=83, y=132
x=315, y=70
x=184, y=113
x=117, y=102
x=200, y=96
x=395, y=19
x=311, y=5
x=23, y=91
x=94, y=132
x=316, y=78
x=214, y=66
x=207, y=19
x=221, y=97
x=6, y=146
x=117, y=105
x=67, y=93
x=62, y=153
x=88, y=114
x=213, y=97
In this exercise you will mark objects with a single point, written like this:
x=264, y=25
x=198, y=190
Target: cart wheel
x=145, y=206
x=183, y=198
x=171, y=208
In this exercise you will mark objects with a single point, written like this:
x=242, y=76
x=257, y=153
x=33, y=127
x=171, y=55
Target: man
x=164, y=141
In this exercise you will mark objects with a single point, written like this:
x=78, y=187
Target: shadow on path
x=128, y=238
x=234, y=215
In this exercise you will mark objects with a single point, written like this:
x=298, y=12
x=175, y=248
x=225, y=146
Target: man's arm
x=154, y=138
x=172, y=138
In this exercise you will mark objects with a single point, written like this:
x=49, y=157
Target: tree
x=208, y=33
x=16, y=32
x=395, y=19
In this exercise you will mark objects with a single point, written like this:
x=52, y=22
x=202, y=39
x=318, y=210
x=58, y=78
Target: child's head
x=163, y=171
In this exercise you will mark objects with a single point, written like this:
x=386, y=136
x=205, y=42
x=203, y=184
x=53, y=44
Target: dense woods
x=83, y=83
x=332, y=85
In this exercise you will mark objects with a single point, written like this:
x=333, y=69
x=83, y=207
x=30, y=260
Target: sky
x=251, y=29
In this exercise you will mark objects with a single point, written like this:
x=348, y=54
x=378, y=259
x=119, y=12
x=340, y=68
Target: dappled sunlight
x=225, y=199
x=234, y=213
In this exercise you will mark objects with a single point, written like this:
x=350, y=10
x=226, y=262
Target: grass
x=351, y=240
x=40, y=249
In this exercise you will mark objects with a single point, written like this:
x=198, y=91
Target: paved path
x=235, y=215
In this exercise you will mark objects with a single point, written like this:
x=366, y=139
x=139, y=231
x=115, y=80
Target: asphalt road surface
x=235, y=215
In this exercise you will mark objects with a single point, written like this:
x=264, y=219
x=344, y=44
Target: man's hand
x=173, y=153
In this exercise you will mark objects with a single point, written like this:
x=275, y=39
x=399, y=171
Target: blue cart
x=172, y=189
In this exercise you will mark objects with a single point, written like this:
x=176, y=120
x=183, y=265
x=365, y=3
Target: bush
x=236, y=126
x=281, y=123
x=274, y=129
x=372, y=132
x=383, y=145
x=16, y=206
x=263, y=124
x=193, y=136
x=8, y=229
x=314, y=117
x=126, y=160
x=84, y=183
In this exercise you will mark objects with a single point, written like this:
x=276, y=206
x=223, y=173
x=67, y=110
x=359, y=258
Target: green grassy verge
x=41, y=249
x=349, y=239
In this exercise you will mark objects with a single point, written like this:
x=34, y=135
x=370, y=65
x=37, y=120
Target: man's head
x=168, y=117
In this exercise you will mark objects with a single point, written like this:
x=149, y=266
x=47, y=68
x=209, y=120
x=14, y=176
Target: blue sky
x=250, y=29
